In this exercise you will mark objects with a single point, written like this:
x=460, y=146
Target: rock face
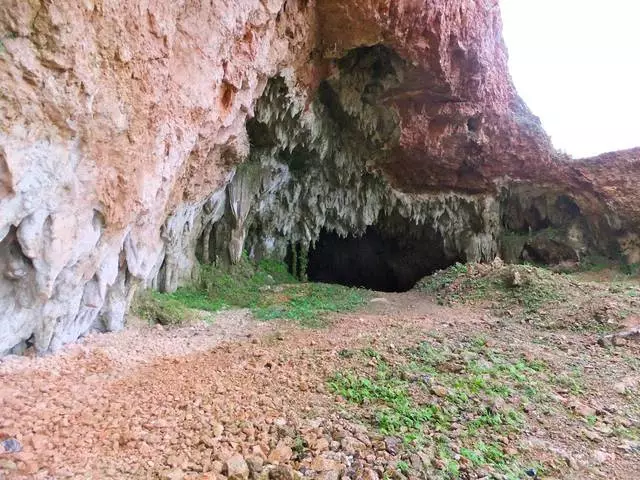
x=123, y=124
x=113, y=116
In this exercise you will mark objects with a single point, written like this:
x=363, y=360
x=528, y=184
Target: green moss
x=160, y=308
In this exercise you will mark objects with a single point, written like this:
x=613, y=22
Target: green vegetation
x=395, y=411
x=442, y=279
x=160, y=308
x=403, y=466
x=299, y=446
x=616, y=266
x=571, y=381
x=424, y=392
x=527, y=286
x=536, y=295
x=308, y=303
x=627, y=433
x=268, y=289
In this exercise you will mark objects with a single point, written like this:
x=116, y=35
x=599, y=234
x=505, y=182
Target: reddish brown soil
x=178, y=403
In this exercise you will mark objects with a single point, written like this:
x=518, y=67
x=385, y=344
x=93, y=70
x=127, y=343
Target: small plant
x=371, y=353
x=159, y=308
x=402, y=466
x=479, y=342
x=591, y=420
x=299, y=446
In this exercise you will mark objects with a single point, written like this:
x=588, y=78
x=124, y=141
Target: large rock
x=113, y=116
x=122, y=123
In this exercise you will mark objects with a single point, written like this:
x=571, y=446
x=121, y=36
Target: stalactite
x=309, y=171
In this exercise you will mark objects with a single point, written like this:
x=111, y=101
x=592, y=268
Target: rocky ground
x=412, y=386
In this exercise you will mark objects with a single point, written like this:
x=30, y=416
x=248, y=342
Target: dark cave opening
x=378, y=259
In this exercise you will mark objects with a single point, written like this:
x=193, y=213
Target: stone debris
x=236, y=468
x=130, y=405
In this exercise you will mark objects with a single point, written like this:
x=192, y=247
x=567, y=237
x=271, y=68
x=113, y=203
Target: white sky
x=576, y=63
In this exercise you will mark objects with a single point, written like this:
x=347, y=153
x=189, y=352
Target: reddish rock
x=116, y=116
x=280, y=454
x=236, y=468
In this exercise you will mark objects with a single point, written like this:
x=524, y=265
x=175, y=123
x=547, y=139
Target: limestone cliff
x=122, y=124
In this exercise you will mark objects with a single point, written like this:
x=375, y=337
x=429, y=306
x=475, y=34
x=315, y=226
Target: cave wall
x=312, y=170
x=122, y=124
x=115, y=115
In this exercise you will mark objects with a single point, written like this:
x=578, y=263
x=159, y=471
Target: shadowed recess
x=382, y=258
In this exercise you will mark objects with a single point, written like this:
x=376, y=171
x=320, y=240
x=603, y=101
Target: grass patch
x=394, y=410
x=424, y=392
x=195, y=299
x=160, y=308
x=268, y=289
x=308, y=303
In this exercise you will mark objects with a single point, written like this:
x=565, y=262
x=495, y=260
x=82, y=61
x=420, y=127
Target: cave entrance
x=380, y=259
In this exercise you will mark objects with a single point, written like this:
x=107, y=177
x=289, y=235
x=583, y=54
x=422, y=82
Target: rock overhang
x=122, y=128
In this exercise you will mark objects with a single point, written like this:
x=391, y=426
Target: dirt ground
x=237, y=399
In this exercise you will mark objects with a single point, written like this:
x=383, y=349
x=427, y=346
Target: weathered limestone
x=112, y=116
x=122, y=124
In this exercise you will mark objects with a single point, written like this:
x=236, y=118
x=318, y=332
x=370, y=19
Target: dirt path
x=184, y=402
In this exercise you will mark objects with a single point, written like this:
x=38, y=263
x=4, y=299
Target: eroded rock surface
x=122, y=125
x=113, y=115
